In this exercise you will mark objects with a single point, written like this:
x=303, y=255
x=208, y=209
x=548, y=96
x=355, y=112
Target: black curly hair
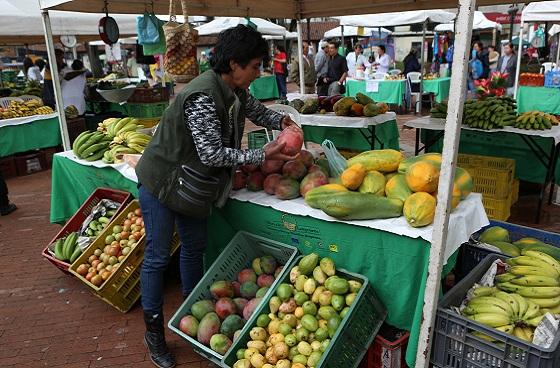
x=240, y=44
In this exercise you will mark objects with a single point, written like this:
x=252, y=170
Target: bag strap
x=185, y=13
x=172, y=14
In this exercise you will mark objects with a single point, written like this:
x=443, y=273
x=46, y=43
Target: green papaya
x=371, y=109
x=506, y=248
x=342, y=107
x=360, y=206
x=374, y=183
x=363, y=99
x=494, y=233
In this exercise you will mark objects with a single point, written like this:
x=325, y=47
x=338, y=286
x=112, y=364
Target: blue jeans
x=160, y=224
x=281, y=81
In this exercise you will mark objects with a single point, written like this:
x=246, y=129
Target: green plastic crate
x=238, y=254
x=145, y=110
x=353, y=337
x=257, y=139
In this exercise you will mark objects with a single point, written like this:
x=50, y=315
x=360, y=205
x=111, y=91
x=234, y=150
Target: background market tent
x=479, y=22
x=352, y=31
x=222, y=23
x=301, y=9
x=288, y=36
x=538, y=12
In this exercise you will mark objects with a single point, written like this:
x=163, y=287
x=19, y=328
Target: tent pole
x=519, y=54
x=75, y=52
x=300, y=59
x=422, y=55
x=558, y=53
x=342, y=40
x=55, y=79
x=448, y=166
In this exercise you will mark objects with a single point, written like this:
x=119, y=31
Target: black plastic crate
x=455, y=346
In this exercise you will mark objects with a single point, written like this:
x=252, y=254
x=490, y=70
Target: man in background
x=356, y=59
x=132, y=65
x=508, y=64
x=309, y=74
x=321, y=59
x=333, y=82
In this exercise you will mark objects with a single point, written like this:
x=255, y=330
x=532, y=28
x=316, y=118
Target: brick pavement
x=48, y=319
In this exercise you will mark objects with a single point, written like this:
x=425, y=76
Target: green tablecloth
x=390, y=91
x=73, y=183
x=439, y=87
x=351, y=138
x=501, y=144
x=396, y=265
x=265, y=88
x=538, y=98
x=29, y=136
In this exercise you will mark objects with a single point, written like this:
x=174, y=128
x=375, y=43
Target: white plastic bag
x=337, y=163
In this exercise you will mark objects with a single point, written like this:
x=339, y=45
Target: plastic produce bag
x=98, y=211
x=158, y=47
x=337, y=163
x=147, y=27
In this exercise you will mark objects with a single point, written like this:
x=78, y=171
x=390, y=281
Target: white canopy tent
x=352, y=31
x=288, y=36
x=222, y=23
x=555, y=29
x=302, y=9
x=479, y=22
x=538, y=12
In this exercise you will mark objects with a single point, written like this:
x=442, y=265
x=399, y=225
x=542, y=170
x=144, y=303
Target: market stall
x=389, y=245
x=538, y=98
x=540, y=147
x=440, y=227
x=25, y=134
x=356, y=133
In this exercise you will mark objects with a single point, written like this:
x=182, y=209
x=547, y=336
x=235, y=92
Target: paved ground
x=49, y=319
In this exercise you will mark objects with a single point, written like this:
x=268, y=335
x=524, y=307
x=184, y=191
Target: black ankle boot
x=155, y=341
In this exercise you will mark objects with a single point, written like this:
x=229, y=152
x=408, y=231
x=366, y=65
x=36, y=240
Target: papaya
x=371, y=110
x=357, y=109
x=422, y=176
x=374, y=183
x=494, y=233
x=384, y=161
x=390, y=175
x=419, y=209
x=397, y=188
x=353, y=176
x=507, y=248
x=363, y=99
x=432, y=157
x=383, y=107
x=342, y=107
x=360, y=206
x=464, y=181
x=314, y=196
x=455, y=196
x=525, y=242
x=310, y=106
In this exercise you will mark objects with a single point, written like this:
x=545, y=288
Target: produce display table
x=392, y=255
x=265, y=88
x=29, y=133
x=538, y=98
x=543, y=146
x=389, y=91
x=439, y=87
x=356, y=133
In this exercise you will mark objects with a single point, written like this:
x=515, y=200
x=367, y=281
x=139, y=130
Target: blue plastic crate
x=552, y=79
x=471, y=255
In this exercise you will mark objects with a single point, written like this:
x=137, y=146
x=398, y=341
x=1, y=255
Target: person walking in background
x=356, y=59
x=321, y=59
x=309, y=74
x=508, y=64
x=482, y=55
x=383, y=61
x=73, y=84
x=40, y=63
x=493, y=57
x=411, y=63
x=333, y=82
x=132, y=65
x=203, y=64
x=5, y=206
x=32, y=72
x=280, y=69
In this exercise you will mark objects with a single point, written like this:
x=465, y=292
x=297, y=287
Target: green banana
x=535, y=280
x=69, y=244
x=545, y=302
x=510, y=300
x=95, y=138
x=533, y=310
x=58, y=249
x=76, y=253
x=94, y=149
x=80, y=139
x=96, y=156
x=491, y=319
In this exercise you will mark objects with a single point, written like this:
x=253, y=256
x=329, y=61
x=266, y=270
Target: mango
x=222, y=289
x=202, y=308
x=249, y=289
x=308, y=263
x=220, y=343
x=231, y=324
x=189, y=325
x=208, y=327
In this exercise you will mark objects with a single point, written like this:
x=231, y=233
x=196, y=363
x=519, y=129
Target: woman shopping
x=187, y=168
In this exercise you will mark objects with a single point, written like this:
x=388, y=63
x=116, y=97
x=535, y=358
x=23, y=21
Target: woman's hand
x=272, y=151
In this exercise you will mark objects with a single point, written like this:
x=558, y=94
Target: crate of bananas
x=490, y=113
x=113, y=137
x=502, y=319
x=535, y=120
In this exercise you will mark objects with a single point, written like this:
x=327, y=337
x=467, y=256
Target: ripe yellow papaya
x=374, y=183
x=384, y=161
x=432, y=157
x=397, y=188
x=422, y=176
x=419, y=209
x=353, y=176
x=464, y=181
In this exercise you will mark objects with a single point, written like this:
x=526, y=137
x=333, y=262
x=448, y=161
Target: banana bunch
x=44, y=110
x=536, y=120
x=490, y=113
x=509, y=313
x=91, y=146
x=126, y=142
x=114, y=126
x=535, y=276
x=439, y=111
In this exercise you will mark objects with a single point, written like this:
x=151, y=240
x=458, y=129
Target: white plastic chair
x=548, y=66
x=395, y=72
x=5, y=101
x=413, y=78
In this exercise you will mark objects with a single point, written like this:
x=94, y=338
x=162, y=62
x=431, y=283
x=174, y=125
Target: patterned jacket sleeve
x=260, y=115
x=203, y=122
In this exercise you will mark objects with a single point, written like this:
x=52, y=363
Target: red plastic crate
x=80, y=216
x=386, y=354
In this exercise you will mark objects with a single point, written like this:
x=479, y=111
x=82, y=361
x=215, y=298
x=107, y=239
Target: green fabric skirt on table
x=29, y=136
x=265, y=88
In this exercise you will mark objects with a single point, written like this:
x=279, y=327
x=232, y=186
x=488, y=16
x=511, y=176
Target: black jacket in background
x=485, y=59
x=411, y=64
